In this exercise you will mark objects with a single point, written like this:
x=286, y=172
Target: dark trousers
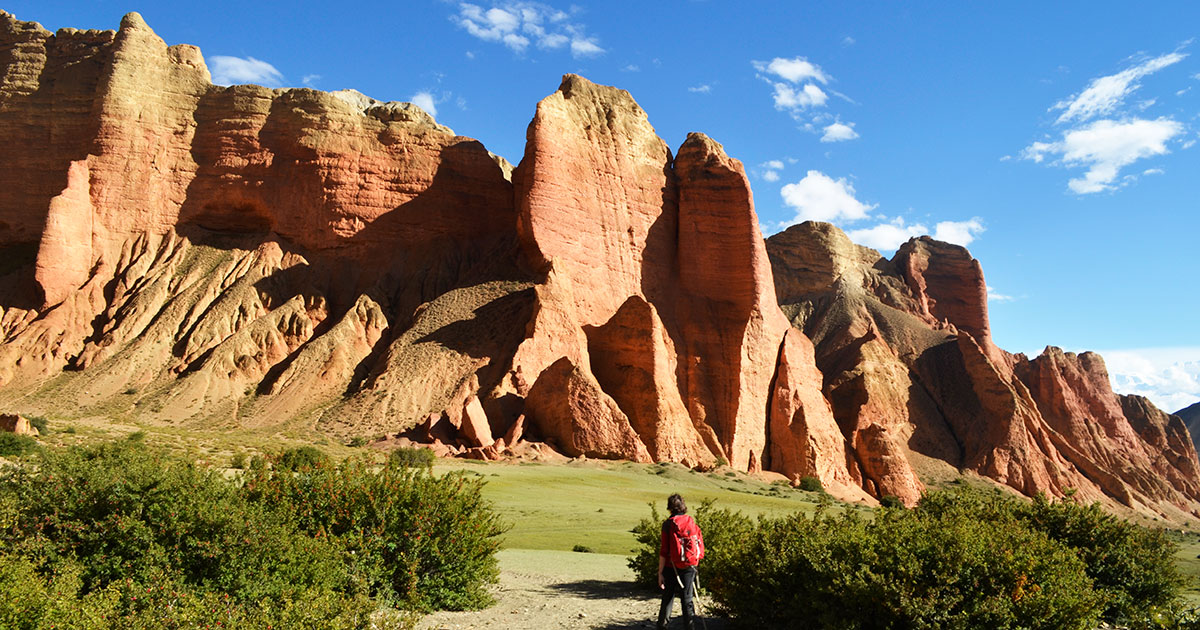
x=679, y=583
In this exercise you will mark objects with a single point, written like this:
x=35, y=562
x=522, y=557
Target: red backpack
x=685, y=543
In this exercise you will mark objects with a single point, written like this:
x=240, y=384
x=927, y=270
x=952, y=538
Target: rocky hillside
x=241, y=257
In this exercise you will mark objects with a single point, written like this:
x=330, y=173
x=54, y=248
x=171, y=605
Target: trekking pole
x=695, y=597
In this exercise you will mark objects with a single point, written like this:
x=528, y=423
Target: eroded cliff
x=178, y=252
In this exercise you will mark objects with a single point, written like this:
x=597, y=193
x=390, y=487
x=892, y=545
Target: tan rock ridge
x=242, y=257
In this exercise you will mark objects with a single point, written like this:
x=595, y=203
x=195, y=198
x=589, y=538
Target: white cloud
x=770, y=176
x=310, y=80
x=958, y=232
x=701, y=89
x=886, y=236
x=995, y=296
x=425, y=101
x=631, y=68
x=838, y=132
x=789, y=98
x=794, y=89
x=847, y=41
x=1153, y=171
x=1169, y=377
x=796, y=70
x=892, y=234
x=236, y=71
x=519, y=24
x=774, y=164
x=1103, y=95
x=1104, y=147
x=585, y=47
x=819, y=197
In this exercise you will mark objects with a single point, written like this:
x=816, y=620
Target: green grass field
x=595, y=504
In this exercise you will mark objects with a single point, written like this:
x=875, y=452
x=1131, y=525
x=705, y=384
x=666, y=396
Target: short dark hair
x=675, y=505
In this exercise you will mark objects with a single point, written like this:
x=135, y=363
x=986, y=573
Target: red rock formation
x=911, y=373
x=180, y=252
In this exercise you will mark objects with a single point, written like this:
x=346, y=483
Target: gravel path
x=561, y=589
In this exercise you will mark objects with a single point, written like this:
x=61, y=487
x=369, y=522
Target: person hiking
x=680, y=549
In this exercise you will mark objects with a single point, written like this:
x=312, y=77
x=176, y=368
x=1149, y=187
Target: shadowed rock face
x=180, y=252
x=910, y=369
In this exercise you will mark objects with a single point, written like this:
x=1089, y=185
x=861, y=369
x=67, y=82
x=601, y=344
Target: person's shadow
x=613, y=590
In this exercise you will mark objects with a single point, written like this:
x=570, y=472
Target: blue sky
x=1055, y=140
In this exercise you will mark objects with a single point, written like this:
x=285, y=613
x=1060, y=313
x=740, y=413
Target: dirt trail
x=562, y=589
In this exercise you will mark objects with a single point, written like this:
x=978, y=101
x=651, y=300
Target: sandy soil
x=561, y=589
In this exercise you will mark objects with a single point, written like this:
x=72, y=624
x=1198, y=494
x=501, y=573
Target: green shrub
x=891, y=501
x=811, y=484
x=1132, y=567
x=358, y=441
x=127, y=513
x=301, y=458
x=123, y=536
x=40, y=423
x=968, y=561
x=427, y=542
x=39, y=599
x=582, y=549
x=13, y=445
x=238, y=461
x=412, y=457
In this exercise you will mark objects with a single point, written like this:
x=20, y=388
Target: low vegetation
x=120, y=535
x=960, y=559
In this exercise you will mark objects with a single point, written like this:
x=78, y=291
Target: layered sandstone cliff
x=174, y=251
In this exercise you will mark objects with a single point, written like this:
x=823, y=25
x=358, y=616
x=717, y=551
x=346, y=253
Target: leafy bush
x=1132, y=567
x=40, y=423
x=811, y=484
x=358, y=441
x=126, y=513
x=122, y=536
x=427, y=542
x=412, y=457
x=13, y=445
x=582, y=549
x=301, y=458
x=891, y=501
x=961, y=559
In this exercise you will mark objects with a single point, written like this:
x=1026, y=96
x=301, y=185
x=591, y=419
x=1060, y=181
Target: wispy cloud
x=310, y=80
x=769, y=170
x=1103, y=134
x=1104, y=147
x=237, y=70
x=1169, y=377
x=796, y=88
x=891, y=235
x=703, y=88
x=1105, y=94
x=518, y=25
x=995, y=296
x=425, y=100
x=839, y=132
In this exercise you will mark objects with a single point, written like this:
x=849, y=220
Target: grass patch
x=549, y=505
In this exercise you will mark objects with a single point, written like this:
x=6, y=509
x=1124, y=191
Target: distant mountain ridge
x=179, y=252
x=1191, y=417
